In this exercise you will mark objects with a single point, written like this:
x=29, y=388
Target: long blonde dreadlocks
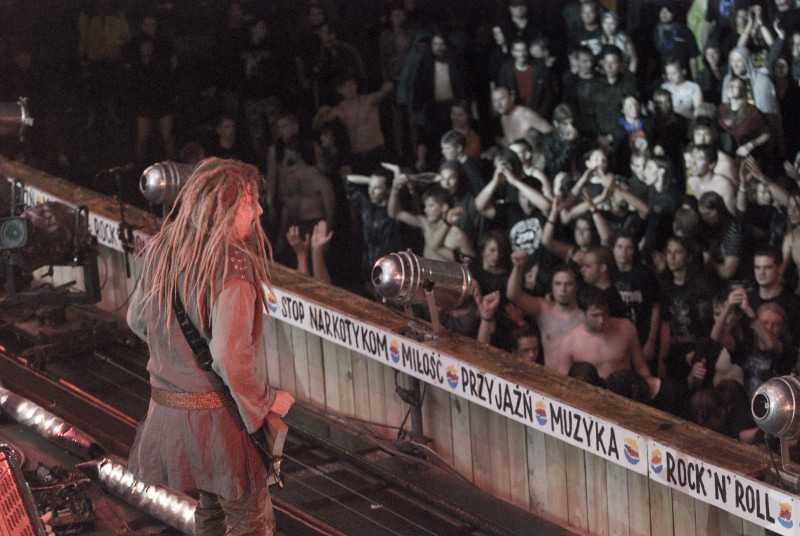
x=197, y=234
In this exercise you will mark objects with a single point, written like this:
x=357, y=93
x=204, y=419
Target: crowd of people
x=623, y=187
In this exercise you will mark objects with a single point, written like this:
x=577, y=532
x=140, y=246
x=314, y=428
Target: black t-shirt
x=639, y=291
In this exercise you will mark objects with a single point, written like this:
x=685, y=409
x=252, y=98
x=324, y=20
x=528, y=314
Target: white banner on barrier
x=105, y=229
x=747, y=498
x=554, y=418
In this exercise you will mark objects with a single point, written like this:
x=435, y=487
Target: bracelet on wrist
x=491, y=319
x=551, y=222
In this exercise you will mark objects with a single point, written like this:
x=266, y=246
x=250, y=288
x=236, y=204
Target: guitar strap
x=269, y=442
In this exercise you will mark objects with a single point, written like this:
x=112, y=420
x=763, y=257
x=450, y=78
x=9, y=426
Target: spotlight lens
x=760, y=406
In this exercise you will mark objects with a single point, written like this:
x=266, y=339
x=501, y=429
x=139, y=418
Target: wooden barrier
x=571, y=452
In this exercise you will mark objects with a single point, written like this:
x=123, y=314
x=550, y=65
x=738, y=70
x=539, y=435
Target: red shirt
x=524, y=84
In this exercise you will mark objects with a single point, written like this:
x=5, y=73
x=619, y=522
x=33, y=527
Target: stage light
x=13, y=233
x=161, y=183
x=174, y=509
x=14, y=118
x=775, y=410
x=403, y=278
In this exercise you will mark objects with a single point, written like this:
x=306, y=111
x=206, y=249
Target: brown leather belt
x=211, y=400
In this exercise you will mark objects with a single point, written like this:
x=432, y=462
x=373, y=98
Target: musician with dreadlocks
x=213, y=253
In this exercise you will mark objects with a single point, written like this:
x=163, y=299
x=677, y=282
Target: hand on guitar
x=283, y=401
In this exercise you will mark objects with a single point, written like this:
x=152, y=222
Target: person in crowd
x=525, y=344
x=461, y=121
x=607, y=342
x=703, y=178
x=561, y=146
x=710, y=78
x=528, y=79
x=555, y=318
x=316, y=243
x=453, y=146
x=469, y=220
x=229, y=144
x=769, y=287
x=791, y=241
x=212, y=256
x=577, y=91
x=686, y=309
x=673, y=38
x=517, y=121
x=507, y=199
x=380, y=233
x=686, y=94
x=704, y=131
x=613, y=35
x=722, y=238
x=745, y=126
x=598, y=269
x=443, y=242
x=610, y=92
x=441, y=78
x=639, y=289
x=360, y=115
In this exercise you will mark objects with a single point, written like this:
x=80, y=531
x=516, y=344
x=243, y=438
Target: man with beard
x=555, y=318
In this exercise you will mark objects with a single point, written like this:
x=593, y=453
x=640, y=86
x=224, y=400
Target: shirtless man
x=442, y=240
x=555, y=318
x=518, y=121
x=608, y=343
x=703, y=178
x=306, y=197
x=704, y=132
x=791, y=240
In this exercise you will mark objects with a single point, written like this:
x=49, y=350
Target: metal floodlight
x=14, y=118
x=776, y=410
x=13, y=233
x=161, y=183
x=174, y=509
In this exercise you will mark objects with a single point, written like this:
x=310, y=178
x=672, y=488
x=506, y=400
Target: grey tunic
x=201, y=449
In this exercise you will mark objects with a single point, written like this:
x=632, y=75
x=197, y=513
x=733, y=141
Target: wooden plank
x=518, y=464
x=360, y=386
x=461, y=430
x=377, y=398
x=498, y=462
x=576, y=487
x=557, y=501
x=661, y=510
x=330, y=363
x=597, y=495
x=537, y=469
x=395, y=408
x=729, y=523
x=345, y=366
x=638, y=504
x=271, y=336
x=287, y=379
x=436, y=421
x=751, y=529
x=302, y=389
x=481, y=451
x=316, y=370
x=617, y=488
x=706, y=519
x=683, y=512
